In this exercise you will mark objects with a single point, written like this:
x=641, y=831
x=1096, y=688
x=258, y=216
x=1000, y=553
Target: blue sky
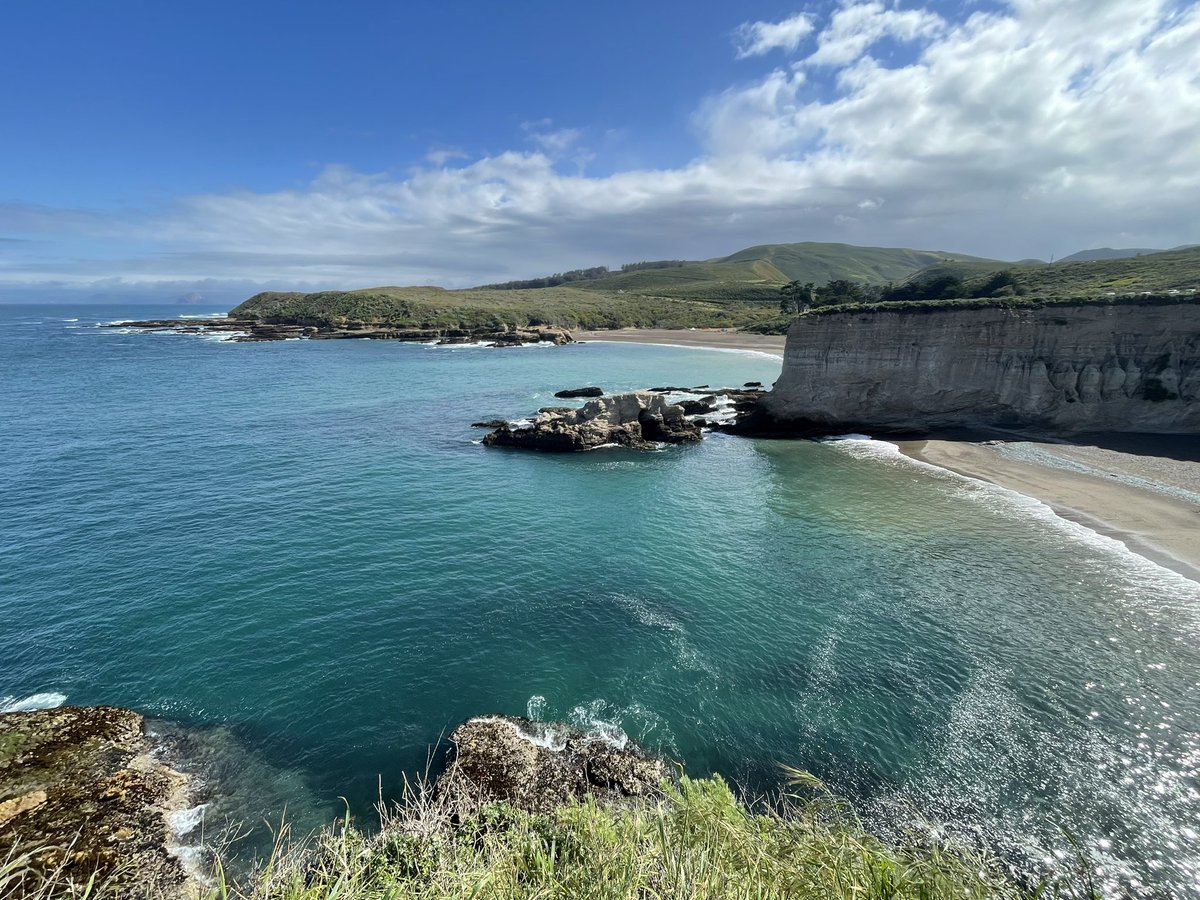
x=136, y=102
x=161, y=149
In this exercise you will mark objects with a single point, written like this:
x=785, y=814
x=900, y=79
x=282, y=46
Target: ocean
x=299, y=562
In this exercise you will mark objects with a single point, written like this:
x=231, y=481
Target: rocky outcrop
x=1058, y=369
x=538, y=767
x=83, y=794
x=639, y=420
x=572, y=393
x=259, y=330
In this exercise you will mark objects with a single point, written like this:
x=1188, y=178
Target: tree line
x=581, y=275
x=798, y=296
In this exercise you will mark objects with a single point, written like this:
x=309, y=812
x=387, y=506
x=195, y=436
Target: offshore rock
x=260, y=330
x=80, y=789
x=1057, y=369
x=538, y=767
x=639, y=420
x=571, y=393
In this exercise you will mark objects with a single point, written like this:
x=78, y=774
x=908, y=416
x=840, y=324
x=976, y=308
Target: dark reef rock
x=705, y=404
x=638, y=420
x=490, y=423
x=571, y=393
x=258, y=330
x=538, y=767
x=81, y=789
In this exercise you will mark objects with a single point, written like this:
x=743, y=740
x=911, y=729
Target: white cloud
x=1043, y=127
x=550, y=140
x=757, y=38
x=858, y=26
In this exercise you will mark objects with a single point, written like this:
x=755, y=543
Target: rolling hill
x=736, y=291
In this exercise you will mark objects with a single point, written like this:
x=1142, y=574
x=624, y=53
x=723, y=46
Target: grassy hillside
x=754, y=275
x=1157, y=272
x=697, y=842
x=821, y=263
x=429, y=307
x=737, y=291
x=1109, y=253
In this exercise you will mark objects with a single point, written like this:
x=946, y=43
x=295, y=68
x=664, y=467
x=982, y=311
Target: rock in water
x=579, y=392
x=538, y=767
x=81, y=790
x=639, y=420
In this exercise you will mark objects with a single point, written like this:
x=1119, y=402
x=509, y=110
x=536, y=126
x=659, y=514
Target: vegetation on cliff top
x=698, y=841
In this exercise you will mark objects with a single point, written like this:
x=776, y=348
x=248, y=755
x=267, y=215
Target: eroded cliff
x=1056, y=369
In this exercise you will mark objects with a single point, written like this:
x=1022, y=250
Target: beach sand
x=690, y=337
x=1145, y=494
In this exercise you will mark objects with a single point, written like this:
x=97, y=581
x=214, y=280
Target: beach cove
x=300, y=552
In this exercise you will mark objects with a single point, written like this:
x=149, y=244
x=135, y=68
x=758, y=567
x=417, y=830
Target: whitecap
x=48, y=700
x=185, y=821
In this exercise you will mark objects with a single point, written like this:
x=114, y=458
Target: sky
x=158, y=151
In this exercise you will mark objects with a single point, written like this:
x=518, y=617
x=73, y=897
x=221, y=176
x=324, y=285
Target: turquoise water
x=299, y=551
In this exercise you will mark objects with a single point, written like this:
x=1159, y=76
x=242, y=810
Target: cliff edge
x=1056, y=369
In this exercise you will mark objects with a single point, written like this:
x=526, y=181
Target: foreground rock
x=538, y=767
x=639, y=420
x=259, y=330
x=81, y=789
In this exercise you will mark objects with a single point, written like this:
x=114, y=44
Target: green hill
x=755, y=274
x=433, y=307
x=1109, y=253
x=821, y=263
x=1157, y=272
x=736, y=291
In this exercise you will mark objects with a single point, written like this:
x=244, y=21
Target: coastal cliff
x=1059, y=368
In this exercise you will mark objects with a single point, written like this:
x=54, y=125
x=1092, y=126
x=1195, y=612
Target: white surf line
x=762, y=353
x=1075, y=524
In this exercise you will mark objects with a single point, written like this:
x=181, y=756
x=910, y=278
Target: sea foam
x=48, y=700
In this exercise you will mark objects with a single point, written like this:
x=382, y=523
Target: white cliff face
x=1057, y=369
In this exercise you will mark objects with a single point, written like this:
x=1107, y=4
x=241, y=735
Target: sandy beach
x=690, y=337
x=1148, y=499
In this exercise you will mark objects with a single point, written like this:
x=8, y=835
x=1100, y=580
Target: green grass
x=1025, y=302
x=428, y=307
x=738, y=291
x=1157, y=272
x=821, y=262
x=697, y=842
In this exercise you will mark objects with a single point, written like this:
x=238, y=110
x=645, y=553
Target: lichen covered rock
x=81, y=790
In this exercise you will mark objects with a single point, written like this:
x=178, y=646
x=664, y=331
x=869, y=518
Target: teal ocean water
x=299, y=553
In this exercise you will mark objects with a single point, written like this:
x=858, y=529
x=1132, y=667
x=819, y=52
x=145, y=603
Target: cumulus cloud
x=757, y=38
x=1040, y=127
x=858, y=26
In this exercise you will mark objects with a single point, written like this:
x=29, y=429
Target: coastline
x=712, y=339
x=1138, y=495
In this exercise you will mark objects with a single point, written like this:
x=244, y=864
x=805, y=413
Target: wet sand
x=690, y=337
x=1148, y=499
